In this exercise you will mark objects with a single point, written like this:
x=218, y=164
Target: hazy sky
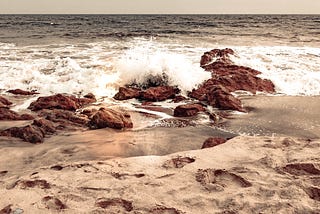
x=160, y=6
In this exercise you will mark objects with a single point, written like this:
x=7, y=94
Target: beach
x=99, y=116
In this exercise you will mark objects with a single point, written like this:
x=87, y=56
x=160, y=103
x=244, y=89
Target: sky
x=160, y=6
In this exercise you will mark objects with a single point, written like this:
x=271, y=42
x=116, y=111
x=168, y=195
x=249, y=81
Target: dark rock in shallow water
x=213, y=141
x=110, y=118
x=60, y=101
x=22, y=92
x=4, y=101
x=7, y=114
x=187, y=110
x=159, y=93
x=127, y=93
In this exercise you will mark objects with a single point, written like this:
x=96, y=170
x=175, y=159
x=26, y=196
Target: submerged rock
x=110, y=118
x=187, y=110
x=21, y=92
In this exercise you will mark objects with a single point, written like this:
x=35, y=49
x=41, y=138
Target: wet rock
x=46, y=125
x=220, y=98
x=126, y=93
x=222, y=54
x=179, y=98
x=64, y=118
x=87, y=99
x=21, y=92
x=110, y=118
x=4, y=101
x=60, y=101
x=53, y=203
x=90, y=96
x=7, y=114
x=213, y=141
x=116, y=203
x=187, y=110
x=159, y=93
x=31, y=133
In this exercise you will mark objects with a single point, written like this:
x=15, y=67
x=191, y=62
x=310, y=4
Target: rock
x=60, y=101
x=221, y=54
x=46, y=125
x=114, y=202
x=32, y=134
x=42, y=184
x=64, y=117
x=213, y=141
x=6, y=209
x=7, y=114
x=126, y=93
x=22, y=92
x=220, y=98
x=179, y=98
x=4, y=101
x=90, y=96
x=159, y=93
x=110, y=118
x=187, y=110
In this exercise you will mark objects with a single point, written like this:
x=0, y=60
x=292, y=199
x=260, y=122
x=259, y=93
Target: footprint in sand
x=114, y=204
x=218, y=179
x=165, y=210
x=178, y=162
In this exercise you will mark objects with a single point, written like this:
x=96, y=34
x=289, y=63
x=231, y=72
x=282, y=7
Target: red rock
x=60, y=101
x=187, y=110
x=179, y=98
x=7, y=114
x=4, y=101
x=21, y=92
x=32, y=134
x=46, y=125
x=220, y=98
x=126, y=93
x=110, y=118
x=159, y=93
x=213, y=141
x=221, y=54
x=6, y=209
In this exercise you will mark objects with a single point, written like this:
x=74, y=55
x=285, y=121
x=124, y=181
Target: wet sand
x=294, y=116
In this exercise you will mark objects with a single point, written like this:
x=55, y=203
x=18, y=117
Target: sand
x=163, y=170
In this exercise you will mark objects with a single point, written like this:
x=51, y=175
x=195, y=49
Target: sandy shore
x=163, y=170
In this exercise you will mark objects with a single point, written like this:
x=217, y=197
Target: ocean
x=78, y=54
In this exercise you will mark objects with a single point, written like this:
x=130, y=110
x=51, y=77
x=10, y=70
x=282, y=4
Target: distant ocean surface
x=98, y=53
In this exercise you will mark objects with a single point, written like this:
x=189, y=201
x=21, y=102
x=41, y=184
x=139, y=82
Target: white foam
x=148, y=59
x=293, y=70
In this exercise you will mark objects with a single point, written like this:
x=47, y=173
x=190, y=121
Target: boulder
x=31, y=133
x=126, y=93
x=110, y=118
x=21, y=92
x=60, y=101
x=213, y=141
x=221, y=98
x=46, y=125
x=7, y=114
x=159, y=93
x=220, y=54
x=187, y=110
x=4, y=101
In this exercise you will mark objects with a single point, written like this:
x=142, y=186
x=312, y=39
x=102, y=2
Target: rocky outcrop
x=110, y=118
x=30, y=133
x=187, y=110
x=213, y=141
x=21, y=92
x=226, y=78
x=4, y=101
x=127, y=93
x=60, y=101
x=7, y=114
x=159, y=93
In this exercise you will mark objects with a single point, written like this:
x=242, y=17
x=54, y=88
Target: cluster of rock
x=58, y=112
x=217, y=91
